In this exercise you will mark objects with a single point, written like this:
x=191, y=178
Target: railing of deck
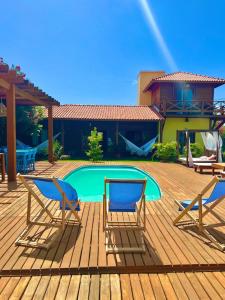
x=201, y=107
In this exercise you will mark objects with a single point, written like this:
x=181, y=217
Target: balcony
x=192, y=108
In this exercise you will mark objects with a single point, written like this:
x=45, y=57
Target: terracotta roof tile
x=186, y=77
x=105, y=112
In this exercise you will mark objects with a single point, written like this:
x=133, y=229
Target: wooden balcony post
x=50, y=135
x=11, y=132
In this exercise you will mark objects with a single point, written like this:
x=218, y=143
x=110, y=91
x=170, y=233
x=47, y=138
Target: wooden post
x=187, y=143
x=117, y=133
x=161, y=126
x=63, y=134
x=178, y=144
x=50, y=135
x=11, y=132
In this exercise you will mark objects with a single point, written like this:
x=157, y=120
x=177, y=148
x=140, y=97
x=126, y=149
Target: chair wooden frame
x=202, y=212
x=58, y=222
x=138, y=225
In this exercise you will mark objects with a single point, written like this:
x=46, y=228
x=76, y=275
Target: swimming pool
x=89, y=181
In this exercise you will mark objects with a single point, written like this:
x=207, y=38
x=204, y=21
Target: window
x=184, y=94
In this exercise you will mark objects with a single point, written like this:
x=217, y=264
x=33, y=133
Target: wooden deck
x=200, y=285
x=82, y=252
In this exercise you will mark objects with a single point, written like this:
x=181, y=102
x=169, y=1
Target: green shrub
x=165, y=151
x=95, y=152
x=196, y=150
x=57, y=151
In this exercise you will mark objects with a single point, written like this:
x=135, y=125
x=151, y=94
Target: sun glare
x=156, y=31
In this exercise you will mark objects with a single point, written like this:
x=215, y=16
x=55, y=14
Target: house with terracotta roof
x=184, y=100
x=168, y=104
x=138, y=123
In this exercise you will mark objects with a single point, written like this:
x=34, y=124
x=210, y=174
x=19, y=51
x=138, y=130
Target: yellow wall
x=173, y=124
x=144, y=78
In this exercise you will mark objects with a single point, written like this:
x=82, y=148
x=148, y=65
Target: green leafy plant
x=165, y=151
x=28, y=120
x=95, y=152
x=57, y=151
x=196, y=150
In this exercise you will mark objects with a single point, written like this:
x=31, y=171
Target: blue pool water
x=89, y=181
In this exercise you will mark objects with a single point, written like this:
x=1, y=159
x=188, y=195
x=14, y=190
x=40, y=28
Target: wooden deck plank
x=136, y=287
x=42, y=288
x=31, y=287
x=146, y=287
x=167, y=246
x=95, y=287
x=111, y=286
x=157, y=287
x=208, y=286
x=9, y=288
x=167, y=287
x=19, y=289
x=73, y=288
x=63, y=288
x=52, y=287
x=105, y=287
x=84, y=287
x=115, y=287
x=126, y=290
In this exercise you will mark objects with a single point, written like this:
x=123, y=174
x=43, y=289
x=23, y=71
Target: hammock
x=21, y=145
x=45, y=143
x=140, y=151
x=39, y=147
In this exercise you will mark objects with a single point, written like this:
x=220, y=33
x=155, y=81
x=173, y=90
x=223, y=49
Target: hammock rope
x=140, y=151
x=39, y=147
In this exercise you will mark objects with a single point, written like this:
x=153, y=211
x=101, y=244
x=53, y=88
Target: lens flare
x=147, y=11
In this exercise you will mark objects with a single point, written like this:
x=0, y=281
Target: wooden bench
x=202, y=166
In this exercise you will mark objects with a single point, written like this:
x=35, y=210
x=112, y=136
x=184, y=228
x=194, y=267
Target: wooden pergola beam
x=28, y=96
x=4, y=84
x=17, y=89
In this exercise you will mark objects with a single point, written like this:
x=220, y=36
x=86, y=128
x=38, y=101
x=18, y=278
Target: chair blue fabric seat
x=185, y=204
x=122, y=207
x=50, y=191
x=124, y=196
x=217, y=192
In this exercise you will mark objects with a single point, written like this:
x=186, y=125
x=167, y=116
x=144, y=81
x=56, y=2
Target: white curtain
x=190, y=158
x=219, y=144
x=213, y=142
x=209, y=141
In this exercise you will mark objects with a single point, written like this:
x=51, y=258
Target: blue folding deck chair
x=54, y=190
x=203, y=206
x=124, y=196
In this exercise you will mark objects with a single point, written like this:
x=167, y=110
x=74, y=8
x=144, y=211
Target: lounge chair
x=54, y=190
x=203, y=206
x=125, y=196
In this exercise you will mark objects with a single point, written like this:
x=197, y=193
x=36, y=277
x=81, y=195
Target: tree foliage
x=95, y=152
x=165, y=151
x=28, y=120
x=28, y=123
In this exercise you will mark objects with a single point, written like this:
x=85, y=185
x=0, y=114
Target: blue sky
x=90, y=51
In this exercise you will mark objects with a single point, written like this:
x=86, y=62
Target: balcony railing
x=194, y=107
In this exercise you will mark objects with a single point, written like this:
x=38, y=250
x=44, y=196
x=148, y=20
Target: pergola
x=16, y=89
